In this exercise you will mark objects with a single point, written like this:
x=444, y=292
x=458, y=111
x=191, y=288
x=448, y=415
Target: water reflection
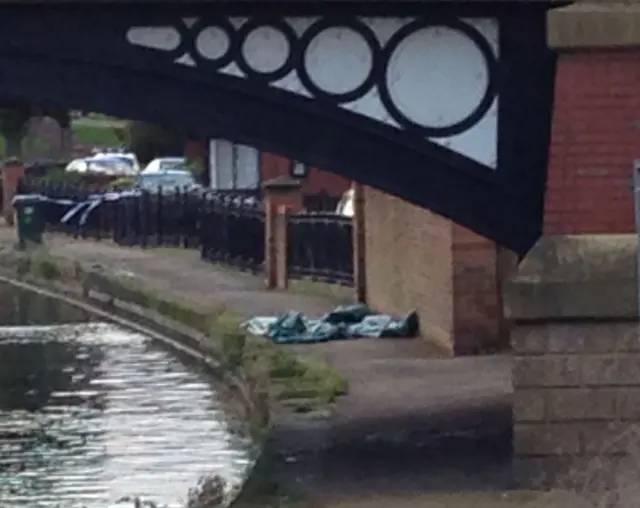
x=91, y=413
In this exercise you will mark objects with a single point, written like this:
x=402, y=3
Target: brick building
x=246, y=167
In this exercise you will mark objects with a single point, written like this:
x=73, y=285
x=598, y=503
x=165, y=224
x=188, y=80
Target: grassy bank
x=85, y=131
x=100, y=132
x=275, y=375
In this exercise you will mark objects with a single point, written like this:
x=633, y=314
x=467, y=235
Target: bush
x=122, y=183
x=96, y=132
x=58, y=175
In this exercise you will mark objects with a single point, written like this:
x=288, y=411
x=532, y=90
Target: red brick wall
x=595, y=138
x=477, y=305
x=317, y=180
x=195, y=149
x=273, y=165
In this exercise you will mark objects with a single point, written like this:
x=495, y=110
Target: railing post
x=282, y=196
x=270, y=273
x=358, y=232
x=281, y=247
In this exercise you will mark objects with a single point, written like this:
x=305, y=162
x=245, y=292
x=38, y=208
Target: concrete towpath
x=412, y=425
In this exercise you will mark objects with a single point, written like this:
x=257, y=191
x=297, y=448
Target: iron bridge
x=444, y=104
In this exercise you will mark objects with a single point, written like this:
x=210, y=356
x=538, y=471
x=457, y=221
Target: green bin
x=31, y=224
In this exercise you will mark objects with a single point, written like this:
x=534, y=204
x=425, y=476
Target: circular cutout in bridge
x=438, y=78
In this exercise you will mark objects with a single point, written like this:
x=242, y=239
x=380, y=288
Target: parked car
x=167, y=181
x=120, y=155
x=165, y=164
x=105, y=164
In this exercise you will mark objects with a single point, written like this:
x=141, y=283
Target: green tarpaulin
x=344, y=322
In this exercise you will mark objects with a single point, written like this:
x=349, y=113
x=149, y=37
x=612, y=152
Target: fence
x=320, y=246
x=227, y=227
x=320, y=202
x=233, y=231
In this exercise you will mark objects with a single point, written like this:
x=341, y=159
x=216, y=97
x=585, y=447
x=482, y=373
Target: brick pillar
x=478, y=323
x=282, y=196
x=281, y=247
x=359, y=260
x=12, y=172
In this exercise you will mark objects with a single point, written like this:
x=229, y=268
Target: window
x=233, y=166
x=298, y=169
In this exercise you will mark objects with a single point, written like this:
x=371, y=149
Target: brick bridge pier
x=573, y=301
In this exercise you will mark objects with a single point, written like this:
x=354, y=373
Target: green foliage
x=97, y=132
x=47, y=269
x=196, y=166
x=23, y=266
x=34, y=146
x=58, y=176
x=13, y=123
x=125, y=182
x=13, y=117
x=232, y=349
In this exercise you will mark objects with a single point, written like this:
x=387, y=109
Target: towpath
x=414, y=430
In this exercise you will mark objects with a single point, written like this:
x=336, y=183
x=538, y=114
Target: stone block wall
x=576, y=361
x=576, y=400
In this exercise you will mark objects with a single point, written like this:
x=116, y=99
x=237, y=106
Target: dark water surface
x=90, y=413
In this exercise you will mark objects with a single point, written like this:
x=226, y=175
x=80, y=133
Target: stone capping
x=575, y=277
x=594, y=25
x=281, y=183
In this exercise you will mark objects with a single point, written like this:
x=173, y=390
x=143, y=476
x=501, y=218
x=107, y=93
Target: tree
x=14, y=118
x=14, y=122
x=149, y=141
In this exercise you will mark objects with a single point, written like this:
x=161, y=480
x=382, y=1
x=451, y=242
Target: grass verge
x=88, y=131
x=274, y=376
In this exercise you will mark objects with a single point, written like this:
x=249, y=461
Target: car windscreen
x=167, y=165
x=153, y=181
x=110, y=165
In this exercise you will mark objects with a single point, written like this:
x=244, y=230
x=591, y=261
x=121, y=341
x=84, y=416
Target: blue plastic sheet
x=344, y=322
x=79, y=212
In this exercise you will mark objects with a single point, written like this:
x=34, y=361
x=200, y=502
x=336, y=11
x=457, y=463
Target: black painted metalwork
x=226, y=226
x=233, y=233
x=79, y=57
x=320, y=247
x=320, y=202
x=476, y=115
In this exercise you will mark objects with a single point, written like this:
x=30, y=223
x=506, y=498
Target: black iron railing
x=226, y=226
x=232, y=231
x=320, y=202
x=320, y=247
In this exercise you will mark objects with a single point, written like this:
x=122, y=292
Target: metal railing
x=232, y=232
x=320, y=247
x=320, y=202
x=225, y=226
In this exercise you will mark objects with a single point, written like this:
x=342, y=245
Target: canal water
x=92, y=415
